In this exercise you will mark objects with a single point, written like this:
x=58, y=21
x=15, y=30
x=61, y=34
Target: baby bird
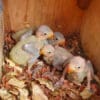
x=27, y=50
x=55, y=56
x=77, y=69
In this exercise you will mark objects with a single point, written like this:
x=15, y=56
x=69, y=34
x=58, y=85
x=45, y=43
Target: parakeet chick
x=44, y=32
x=58, y=39
x=27, y=50
x=77, y=69
x=55, y=56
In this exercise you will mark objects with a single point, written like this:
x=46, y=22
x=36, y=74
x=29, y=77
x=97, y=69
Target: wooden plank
x=16, y=10
x=7, y=23
x=61, y=15
x=90, y=33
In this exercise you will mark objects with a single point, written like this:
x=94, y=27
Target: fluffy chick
x=77, y=69
x=55, y=56
x=27, y=50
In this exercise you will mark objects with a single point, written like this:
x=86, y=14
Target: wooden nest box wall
x=66, y=16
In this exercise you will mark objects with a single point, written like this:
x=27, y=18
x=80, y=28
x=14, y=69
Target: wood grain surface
x=90, y=33
x=61, y=15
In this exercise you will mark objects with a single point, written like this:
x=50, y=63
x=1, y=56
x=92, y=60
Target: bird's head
x=44, y=32
x=59, y=38
x=47, y=50
x=76, y=64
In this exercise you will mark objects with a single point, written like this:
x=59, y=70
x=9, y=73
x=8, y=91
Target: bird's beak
x=70, y=69
x=62, y=43
x=51, y=36
x=41, y=52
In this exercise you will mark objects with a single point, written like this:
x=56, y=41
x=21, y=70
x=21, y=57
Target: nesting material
x=37, y=93
x=37, y=82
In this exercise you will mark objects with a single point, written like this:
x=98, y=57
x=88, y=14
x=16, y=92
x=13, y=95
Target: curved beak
x=70, y=69
x=62, y=43
x=51, y=36
x=41, y=52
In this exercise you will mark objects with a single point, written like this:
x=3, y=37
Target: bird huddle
x=49, y=45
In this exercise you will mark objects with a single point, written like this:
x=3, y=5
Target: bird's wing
x=61, y=55
x=63, y=52
x=17, y=36
x=30, y=48
x=28, y=33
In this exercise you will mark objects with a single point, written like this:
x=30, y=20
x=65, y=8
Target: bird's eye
x=56, y=39
x=45, y=33
x=78, y=67
x=49, y=52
